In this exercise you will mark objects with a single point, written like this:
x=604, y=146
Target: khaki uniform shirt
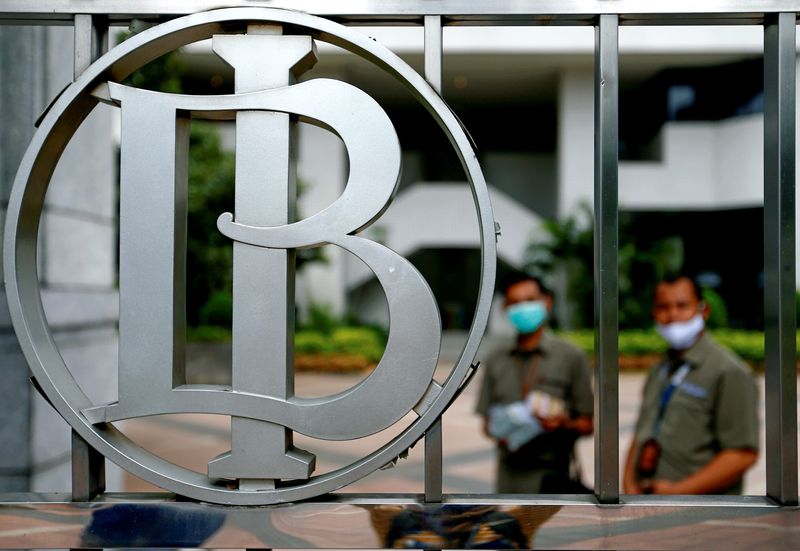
x=713, y=409
x=562, y=372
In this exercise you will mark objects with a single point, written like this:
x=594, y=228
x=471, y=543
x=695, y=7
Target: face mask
x=680, y=335
x=527, y=317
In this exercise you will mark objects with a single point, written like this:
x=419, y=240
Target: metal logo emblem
x=263, y=408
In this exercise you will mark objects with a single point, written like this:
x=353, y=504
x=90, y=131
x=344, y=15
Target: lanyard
x=667, y=393
x=527, y=373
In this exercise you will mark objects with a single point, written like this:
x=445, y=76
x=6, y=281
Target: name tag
x=693, y=390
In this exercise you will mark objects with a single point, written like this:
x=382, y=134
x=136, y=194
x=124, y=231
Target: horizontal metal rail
x=38, y=521
x=375, y=521
x=520, y=12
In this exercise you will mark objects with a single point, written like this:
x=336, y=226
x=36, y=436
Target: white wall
x=322, y=169
x=442, y=215
x=575, y=140
x=530, y=178
x=705, y=165
x=543, y=39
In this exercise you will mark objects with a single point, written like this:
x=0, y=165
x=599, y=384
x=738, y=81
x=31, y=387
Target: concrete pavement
x=192, y=440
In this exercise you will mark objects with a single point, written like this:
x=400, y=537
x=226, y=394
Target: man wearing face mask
x=697, y=431
x=548, y=381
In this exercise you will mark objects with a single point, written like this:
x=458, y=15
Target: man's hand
x=631, y=487
x=664, y=487
x=727, y=467
x=630, y=484
x=583, y=424
x=553, y=422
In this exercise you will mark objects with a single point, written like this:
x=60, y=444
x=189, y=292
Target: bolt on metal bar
x=779, y=258
x=433, y=436
x=606, y=122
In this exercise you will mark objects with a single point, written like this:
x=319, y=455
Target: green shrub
x=639, y=342
x=218, y=310
x=321, y=319
x=207, y=333
x=582, y=338
x=797, y=306
x=313, y=342
x=632, y=342
x=748, y=345
x=719, y=312
x=358, y=340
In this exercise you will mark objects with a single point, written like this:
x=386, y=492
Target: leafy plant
x=321, y=319
x=218, y=310
x=209, y=254
x=718, y=317
x=567, y=251
x=361, y=340
x=748, y=345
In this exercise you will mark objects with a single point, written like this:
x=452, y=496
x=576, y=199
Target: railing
x=732, y=519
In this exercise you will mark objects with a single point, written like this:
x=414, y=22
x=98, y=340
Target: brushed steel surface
x=433, y=436
x=34, y=521
x=606, y=244
x=779, y=257
x=379, y=521
x=414, y=319
x=263, y=279
x=543, y=12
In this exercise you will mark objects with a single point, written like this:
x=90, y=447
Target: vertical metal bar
x=606, y=227
x=263, y=279
x=100, y=30
x=90, y=41
x=779, y=257
x=433, y=437
x=433, y=51
x=433, y=463
x=82, y=44
x=88, y=470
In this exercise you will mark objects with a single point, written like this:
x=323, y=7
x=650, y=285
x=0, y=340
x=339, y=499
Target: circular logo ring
x=24, y=214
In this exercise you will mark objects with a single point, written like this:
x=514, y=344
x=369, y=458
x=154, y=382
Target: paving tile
x=191, y=440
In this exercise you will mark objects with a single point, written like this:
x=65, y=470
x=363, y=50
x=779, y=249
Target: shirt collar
x=699, y=351
x=545, y=346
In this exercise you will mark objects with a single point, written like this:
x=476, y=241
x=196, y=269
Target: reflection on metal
x=433, y=436
x=266, y=107
x=370, y=522
x=606, y=243
x=263, y=467
x=467, y=12
x=779, y=258
x=88, y=470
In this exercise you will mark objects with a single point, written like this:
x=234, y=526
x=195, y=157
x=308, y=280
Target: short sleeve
x=582, y=397
x=737, y=410
x=642, y=420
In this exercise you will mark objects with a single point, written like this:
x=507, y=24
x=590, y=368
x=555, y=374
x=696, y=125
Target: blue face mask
x=527, y=317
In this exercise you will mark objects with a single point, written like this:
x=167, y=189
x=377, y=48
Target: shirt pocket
x=687, y=426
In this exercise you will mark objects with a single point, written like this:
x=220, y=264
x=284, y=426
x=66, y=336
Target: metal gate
x=90, y=518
